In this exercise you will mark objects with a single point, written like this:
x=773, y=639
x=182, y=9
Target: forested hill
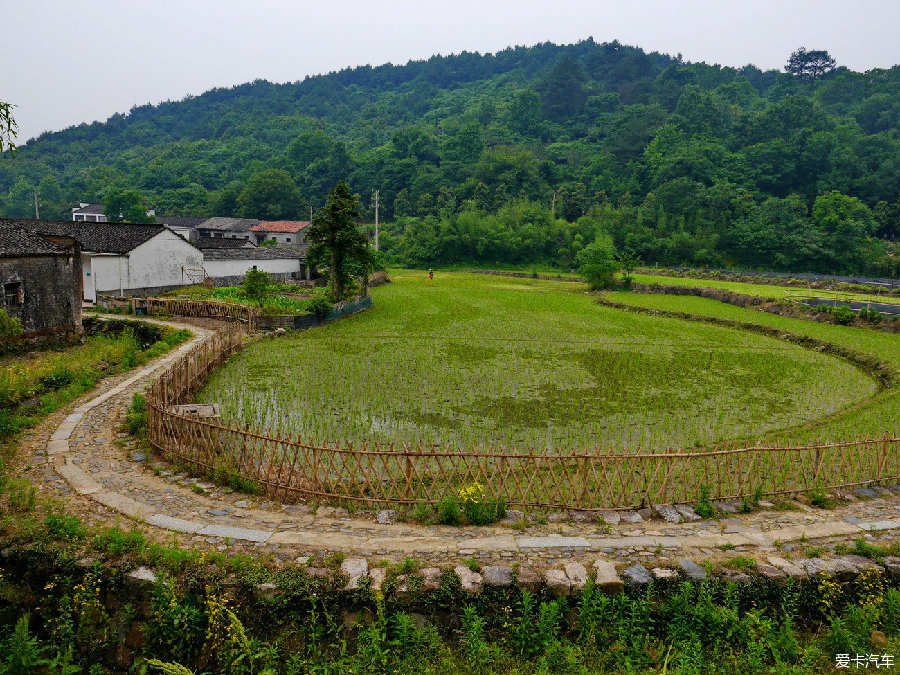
x=520, y=156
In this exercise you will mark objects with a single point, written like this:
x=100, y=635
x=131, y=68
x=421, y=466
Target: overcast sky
x=64, y=62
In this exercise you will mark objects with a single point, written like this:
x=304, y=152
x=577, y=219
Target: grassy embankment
x=35, y=384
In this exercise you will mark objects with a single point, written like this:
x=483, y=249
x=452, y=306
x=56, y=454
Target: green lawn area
x=471, y=359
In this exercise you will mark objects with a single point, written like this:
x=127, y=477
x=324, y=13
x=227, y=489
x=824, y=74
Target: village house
x=228, y=266
x=234, y=228
x=282, y=232
x=184, y=226
x=126, y=259
x=89, y=212
x=41, y=282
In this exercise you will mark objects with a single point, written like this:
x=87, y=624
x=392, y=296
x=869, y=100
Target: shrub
x=22, y=495
x=58, y=378
x=66, y=528
x=597, y=263
x=842, y=315
x=256, y=285
x=704, y=507
x=477, y=508
x=9, y=326
x=448, y=511
x=820, y=499
x=319, y=306
x=870, y=314
x=136, y=416
x=116, y=541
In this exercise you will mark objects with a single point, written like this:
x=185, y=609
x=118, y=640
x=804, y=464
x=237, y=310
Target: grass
x=474, y=360
x=773, y=292
x=34, y=385
x=281, y=299
x=873, y=417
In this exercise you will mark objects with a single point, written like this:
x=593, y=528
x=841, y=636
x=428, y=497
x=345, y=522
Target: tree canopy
x=337, y=240
x=684, y=163
x=810, y=64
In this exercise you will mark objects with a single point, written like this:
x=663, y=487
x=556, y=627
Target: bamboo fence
x=207, y=309
x=291, y=468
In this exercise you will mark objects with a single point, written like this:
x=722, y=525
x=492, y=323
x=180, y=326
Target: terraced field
x=474, y=360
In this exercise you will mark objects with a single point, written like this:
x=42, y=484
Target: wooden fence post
x=408, y=470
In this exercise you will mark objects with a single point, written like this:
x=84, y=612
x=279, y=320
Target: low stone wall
x=238, y=279
x=122, y=593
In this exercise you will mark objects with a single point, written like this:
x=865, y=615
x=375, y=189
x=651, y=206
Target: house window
x=12, y=294
x=288, y=239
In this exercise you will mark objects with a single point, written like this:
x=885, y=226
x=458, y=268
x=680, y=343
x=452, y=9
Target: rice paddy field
x=474, y=360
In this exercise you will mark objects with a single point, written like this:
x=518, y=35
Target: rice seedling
x=491, y=362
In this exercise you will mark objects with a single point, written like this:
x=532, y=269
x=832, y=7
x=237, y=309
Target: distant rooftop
x=285, y=226
x=179, y=221
x=266, y=253
x=224, y=224
x=88, y=208
x=222, y=242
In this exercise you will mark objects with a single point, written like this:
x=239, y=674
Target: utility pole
x=37, y=215
x=376, y=220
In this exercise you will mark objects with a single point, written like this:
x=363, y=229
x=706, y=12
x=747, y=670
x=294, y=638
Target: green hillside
x=522, y=156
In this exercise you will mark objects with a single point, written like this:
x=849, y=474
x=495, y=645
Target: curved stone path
x=106, y=475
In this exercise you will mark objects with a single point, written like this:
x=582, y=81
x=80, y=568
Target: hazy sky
x=64, y=62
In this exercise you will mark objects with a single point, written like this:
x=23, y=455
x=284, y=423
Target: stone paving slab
x=507, y=543
x=121, y=503
x=229, y=532
x=174, y=524
x=80, y=481
x=553, y=542
x=63, y=431
x=57, y=447
x=880, y=525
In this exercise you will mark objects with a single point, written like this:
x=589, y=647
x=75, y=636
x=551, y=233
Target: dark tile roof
x=16, y=242
x=224, y=224
x=284, y=226
x=264, y=253
x=179, y=221
x=90, y=209
x=222, y=242
x=94, y=237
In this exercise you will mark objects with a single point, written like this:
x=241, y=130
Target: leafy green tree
x=846, y=224
x=19, y=202
x=597, y=262
x=125, y=206
x=562, y=91
x=256, y=285
x=8, y=128
x=272, y=195
x=524, y=113
x=810, y=64
x=336, y=237
x=224, y=202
